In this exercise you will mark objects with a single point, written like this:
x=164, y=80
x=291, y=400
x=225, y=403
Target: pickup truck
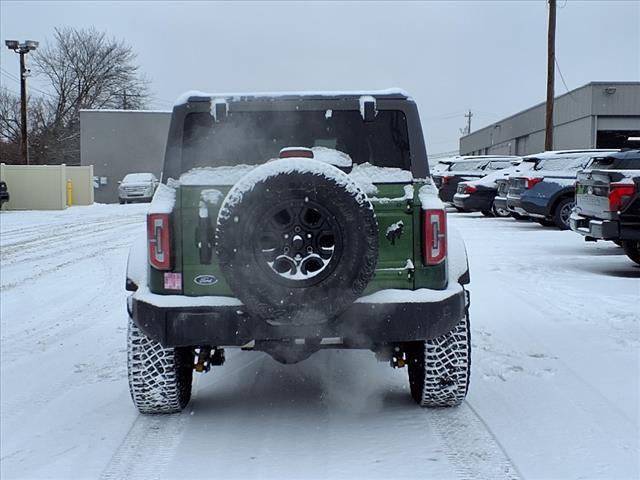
x=608, y=202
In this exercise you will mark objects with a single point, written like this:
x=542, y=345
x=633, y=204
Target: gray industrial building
x=597, y=115
x=117, y=142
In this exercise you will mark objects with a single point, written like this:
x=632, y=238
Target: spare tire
x=297, y=241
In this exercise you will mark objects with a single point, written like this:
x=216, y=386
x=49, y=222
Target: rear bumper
x=514, y=205
x=472, y=202
x=603, y=229
x=534, y=209
x=362, y=325
x=500, y=202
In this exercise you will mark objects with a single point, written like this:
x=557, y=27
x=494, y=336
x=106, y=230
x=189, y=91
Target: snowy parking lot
x=554, y=389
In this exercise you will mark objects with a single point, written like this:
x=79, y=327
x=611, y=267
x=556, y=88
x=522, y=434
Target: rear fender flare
x=137, y=263
x=457, y=259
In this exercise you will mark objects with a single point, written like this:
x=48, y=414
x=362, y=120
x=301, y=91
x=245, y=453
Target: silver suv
x=137, y=187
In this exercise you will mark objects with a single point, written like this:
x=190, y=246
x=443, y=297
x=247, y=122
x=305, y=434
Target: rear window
x=498, y=164
x=252, y=138
x=563, y=163
x=466, y=166
x=613, y=163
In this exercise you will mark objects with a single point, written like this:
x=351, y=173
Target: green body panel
x=393, y=269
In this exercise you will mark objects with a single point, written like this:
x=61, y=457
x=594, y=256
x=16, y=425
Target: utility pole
x=22, y=49
x=468, y=117
x=551, y=56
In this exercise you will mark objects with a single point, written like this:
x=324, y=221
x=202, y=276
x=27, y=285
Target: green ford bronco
x=290, y=223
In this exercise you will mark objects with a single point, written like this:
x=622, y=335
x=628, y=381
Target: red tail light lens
x=619, y=195
x=159, y=241
x=434, y=236
x=445, y=180
x=532, y=181
x=469, y=189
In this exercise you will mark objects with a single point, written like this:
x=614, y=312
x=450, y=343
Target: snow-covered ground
x=554, y=392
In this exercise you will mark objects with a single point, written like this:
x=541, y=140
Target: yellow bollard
x=69, y=192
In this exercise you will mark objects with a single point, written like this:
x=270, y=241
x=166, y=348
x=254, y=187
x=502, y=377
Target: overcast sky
x=489, y=57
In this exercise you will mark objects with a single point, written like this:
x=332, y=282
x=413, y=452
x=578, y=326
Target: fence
x=44, y=187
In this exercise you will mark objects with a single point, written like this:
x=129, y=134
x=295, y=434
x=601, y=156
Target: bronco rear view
x=293, y=223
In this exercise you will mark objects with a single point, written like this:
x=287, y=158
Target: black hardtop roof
x=390, y=94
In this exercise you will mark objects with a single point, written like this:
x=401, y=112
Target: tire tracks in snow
x=470, y=446
x=149, y=446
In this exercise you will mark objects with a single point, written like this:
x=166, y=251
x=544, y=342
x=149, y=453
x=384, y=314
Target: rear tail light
x=434, y=236
x=531, y=182
x=159, y=241
x=619, y=195
x=469, y=189
x=445, y=180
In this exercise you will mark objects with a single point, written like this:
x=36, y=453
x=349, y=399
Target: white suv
x=137, y=187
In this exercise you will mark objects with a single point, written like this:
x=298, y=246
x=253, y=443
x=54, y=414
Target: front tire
x=439, y=369
x=632, y=249
x=159, y=378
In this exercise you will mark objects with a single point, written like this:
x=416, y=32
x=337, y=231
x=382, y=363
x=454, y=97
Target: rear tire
x=632, y=249
x=439, y=369
x=487, y=213
x=159, y=378
x=563, y=212
x=499, y=212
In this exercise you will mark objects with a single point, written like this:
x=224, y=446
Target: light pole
x=22, y=49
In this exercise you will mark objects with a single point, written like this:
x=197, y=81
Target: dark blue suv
x=550, y=194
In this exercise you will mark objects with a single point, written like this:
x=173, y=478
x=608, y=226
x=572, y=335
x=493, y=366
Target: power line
x=563, y=82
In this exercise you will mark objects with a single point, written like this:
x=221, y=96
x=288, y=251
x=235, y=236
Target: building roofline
x=571, y=92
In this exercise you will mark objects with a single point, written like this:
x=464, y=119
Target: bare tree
x=9, y=126
x=9, y=116
x=86, y=70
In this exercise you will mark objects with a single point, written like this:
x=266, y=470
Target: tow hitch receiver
x=207, y=356
x=398, y=358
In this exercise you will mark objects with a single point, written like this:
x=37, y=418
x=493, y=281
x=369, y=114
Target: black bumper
x=594, y=228
x=472, y=202
x=363, y=325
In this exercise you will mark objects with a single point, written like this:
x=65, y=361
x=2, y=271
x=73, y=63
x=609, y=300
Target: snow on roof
x=184, y=98
x=570, y=153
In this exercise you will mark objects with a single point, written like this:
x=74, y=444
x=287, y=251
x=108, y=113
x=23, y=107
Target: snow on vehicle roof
x=568, y=153
x=492, y=179
x=138, y=177
x=390, y=92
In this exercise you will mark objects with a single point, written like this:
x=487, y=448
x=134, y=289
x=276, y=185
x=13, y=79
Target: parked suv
x=552, y=200
x=137, y=187
x=467, y=168
x=290, y=224
x=608, y=202
x=479, y=195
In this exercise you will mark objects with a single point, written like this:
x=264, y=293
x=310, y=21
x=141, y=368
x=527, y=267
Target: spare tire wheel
x=297, y=241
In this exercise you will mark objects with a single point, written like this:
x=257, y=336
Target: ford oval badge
x=205, y=280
